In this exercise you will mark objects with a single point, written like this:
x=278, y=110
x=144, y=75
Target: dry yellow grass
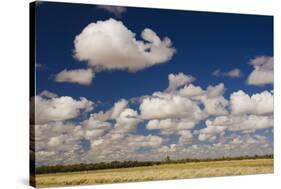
x=159, y=172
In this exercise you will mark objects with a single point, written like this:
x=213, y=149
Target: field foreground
x=158, y=172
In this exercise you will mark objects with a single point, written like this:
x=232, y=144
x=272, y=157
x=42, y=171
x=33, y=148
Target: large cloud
x=80, y=76
x=60, y=108
x=109, y=44
x=263, y=71
x=260, y=103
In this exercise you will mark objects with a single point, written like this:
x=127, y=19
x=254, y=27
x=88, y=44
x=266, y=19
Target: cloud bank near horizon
x=203, y=121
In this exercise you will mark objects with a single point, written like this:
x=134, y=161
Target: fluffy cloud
x=248, y=114
x=170, y=106
x=118, y=108
x=248, y=144
x=170, y=126
x=263, y=71
x=127, y=121
x=251, y=141
x=213, y=100
x=250, y=123
x=234, y=73
x=58, y=143
x=214, y=128
x=230, y=125
x=113, y=112
x=182, y=108
x=80, y=76
x=191, y=91
x=144, y=141
x=259, y=104
x=95, y=128
x=125, y=148
x=178, y=80
x=116, y=122
x=243, y=123
x=60, y=109
x=116, y=10
x=58, y=138
x=215, y=106
x=109, y=44
x=215, y=91
x=185, y=137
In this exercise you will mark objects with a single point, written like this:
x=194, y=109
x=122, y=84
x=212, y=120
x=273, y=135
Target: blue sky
x=204, y=42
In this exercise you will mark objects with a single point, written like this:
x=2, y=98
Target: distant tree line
x=93, y=166
x=188, y=160
x=126, y=164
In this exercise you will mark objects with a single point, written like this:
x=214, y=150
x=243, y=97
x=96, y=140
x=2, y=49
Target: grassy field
x=158, y=172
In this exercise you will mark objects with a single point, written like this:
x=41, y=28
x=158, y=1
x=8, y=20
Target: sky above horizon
x=124, y=83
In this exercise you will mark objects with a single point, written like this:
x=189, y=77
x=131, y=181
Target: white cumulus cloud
x=191, y=91
x=260, y=103
x=185, y=137
x=169, y=106
x=170, y=126
x=250, y=123
x=214, y=128
x=60, y=108
x=230, y=125
x=127, y=121
x=263, y=71
x=215, y=91
x=58, y=143
x=109, y=44
x=80, y=76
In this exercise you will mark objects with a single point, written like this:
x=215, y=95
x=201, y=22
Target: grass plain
x=157, y=172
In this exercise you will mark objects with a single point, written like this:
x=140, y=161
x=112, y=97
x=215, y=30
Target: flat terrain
x=158, y=172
